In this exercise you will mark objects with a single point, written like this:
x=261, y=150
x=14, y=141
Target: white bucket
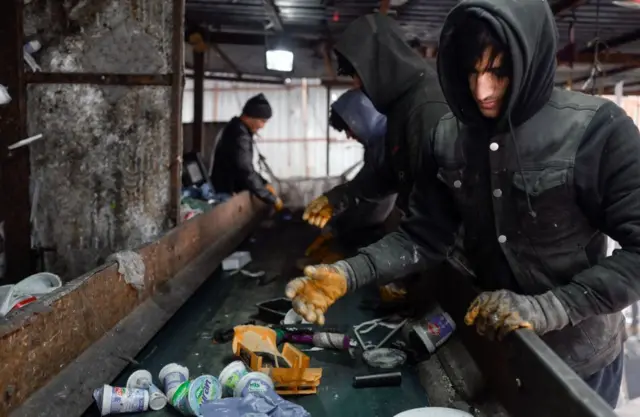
x=230, y=376
x=433, y=412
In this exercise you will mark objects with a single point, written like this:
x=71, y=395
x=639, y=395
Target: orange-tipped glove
x=392, y=292
x=278, y=204
x=318, y=243
x=497, y=313
x=318, y=212
x=321, y=286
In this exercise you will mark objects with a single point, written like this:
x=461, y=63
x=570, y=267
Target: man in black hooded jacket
x=233, y=169
x=537, y=176
x=401, y=86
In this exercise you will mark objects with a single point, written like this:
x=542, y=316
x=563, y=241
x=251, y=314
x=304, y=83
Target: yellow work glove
x=318, y=243
x=318, y=212
x=314, y=293
x=278, y=204
x=392, y=292
x=497, y=313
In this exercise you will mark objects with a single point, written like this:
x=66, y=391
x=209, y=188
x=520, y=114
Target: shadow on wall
x=103, y=169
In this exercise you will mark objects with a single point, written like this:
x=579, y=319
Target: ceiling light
x=280, y=60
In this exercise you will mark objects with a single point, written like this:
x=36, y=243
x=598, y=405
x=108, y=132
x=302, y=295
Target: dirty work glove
x=318, y=243
x=500, y=312
x=321, y=286
x=278, y=205
x=318, y=212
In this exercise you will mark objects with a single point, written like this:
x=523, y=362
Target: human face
x=257, y=124
x=488, y=83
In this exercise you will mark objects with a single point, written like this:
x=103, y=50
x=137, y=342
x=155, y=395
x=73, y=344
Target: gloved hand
x=500, y=312
x=278, y=204
x=318, y=243
x=318, y=212
x=392, y=292
x=321, y=286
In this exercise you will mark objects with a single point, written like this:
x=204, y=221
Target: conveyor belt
x=225, y=300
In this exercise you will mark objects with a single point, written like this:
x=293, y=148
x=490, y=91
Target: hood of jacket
x=528, y=29
x=364, y=121
x=374, y=45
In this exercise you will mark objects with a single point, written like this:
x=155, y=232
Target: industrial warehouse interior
x=170, y=169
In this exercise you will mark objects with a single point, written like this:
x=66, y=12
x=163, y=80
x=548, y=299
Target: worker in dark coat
x=402, y=86
x=538, y=176
x=233, y=169
x=354, y=114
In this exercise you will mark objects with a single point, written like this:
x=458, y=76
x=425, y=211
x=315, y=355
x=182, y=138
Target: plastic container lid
x=384, y=358
x=237, y=392
x=433, y=412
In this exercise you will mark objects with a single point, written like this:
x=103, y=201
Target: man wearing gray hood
x=354, y=114
x=537, y=176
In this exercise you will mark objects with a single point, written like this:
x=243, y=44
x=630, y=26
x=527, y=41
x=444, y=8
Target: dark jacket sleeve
x=374, y=181
x=246, y=171
x=607, y=179
x=424, y=239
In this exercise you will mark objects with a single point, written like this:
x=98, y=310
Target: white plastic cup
x=172, y=376
x=255, y=383
x=230, y=376
x=192, y=394
x=202, y=390
x=116, y=400
x=142, y=379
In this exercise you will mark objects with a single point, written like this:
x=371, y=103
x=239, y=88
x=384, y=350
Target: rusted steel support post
x=14, y=172
x=177, y=69
x=198, y=100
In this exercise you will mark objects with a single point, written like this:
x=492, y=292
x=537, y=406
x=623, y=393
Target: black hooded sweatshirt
x=403, y=87
x=536, y=195
x=233, y=169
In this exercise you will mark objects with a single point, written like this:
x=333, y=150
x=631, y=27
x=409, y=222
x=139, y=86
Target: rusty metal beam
x=274, y=16
x=611, y=72
x=198, y=101
x=79, y=318
x=634, y=86
x=15, y=168
x=613, y=43
x=177, y=69
x=226, y=59
x=98, y=79
x=385, y=5
x=328, y=66
x=247, y=78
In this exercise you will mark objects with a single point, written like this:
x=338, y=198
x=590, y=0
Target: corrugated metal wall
x=295, y=139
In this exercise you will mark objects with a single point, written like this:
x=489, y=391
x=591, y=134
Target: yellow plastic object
x=296, y=379
x=392, y=292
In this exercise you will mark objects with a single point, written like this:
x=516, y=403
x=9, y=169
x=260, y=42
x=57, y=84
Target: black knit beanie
x=257, y=107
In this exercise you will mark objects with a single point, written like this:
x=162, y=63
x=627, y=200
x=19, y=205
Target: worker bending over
x=354, y=114
x=401, y=86
x=233, y=169
x=537, y=176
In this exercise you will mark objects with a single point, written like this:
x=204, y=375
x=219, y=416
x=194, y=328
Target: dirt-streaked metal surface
x=46, y=336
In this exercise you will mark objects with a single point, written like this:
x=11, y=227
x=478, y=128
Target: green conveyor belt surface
x=224, y=301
